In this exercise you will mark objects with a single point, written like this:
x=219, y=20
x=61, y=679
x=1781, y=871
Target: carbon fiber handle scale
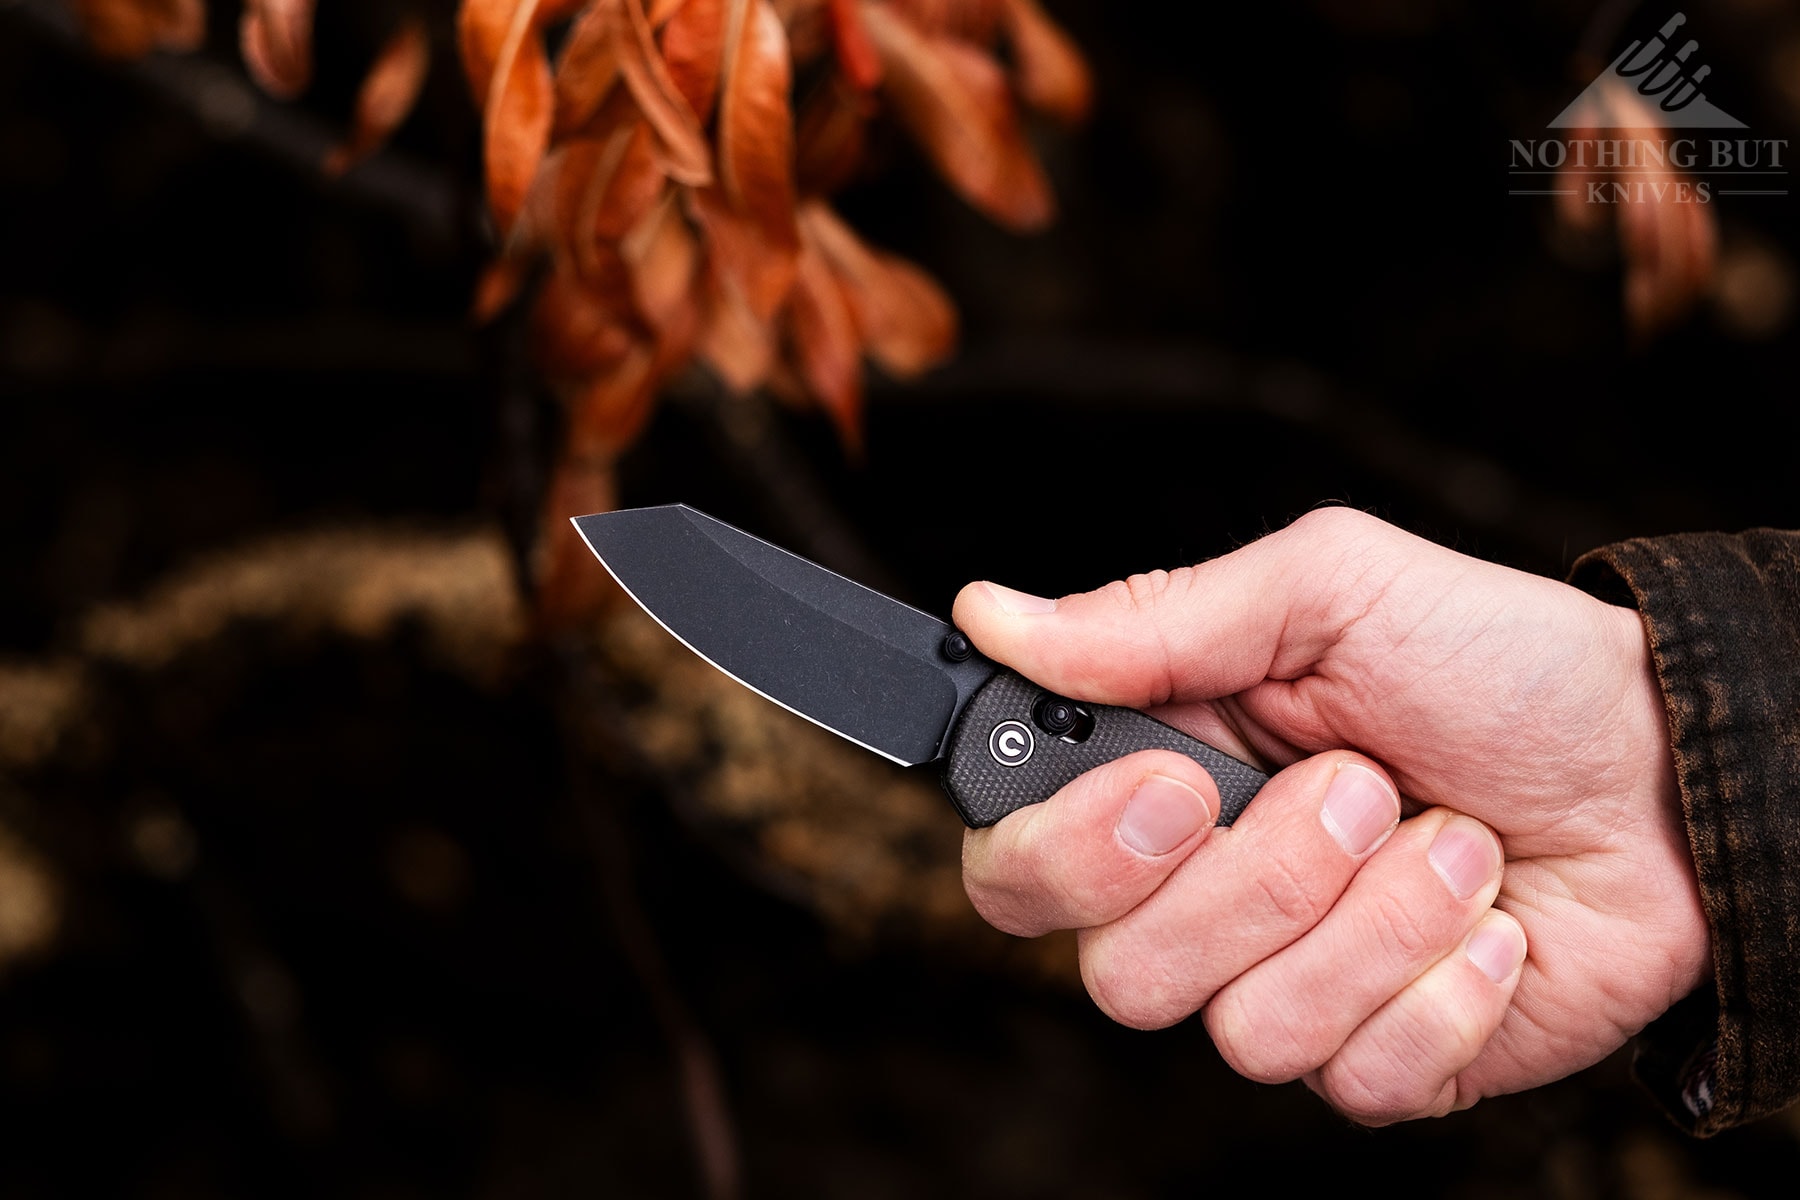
x=1001, y=759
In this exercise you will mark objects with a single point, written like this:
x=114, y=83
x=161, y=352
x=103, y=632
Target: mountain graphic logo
x=1668, y=81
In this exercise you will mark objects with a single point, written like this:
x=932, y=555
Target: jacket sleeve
x=1722, y=613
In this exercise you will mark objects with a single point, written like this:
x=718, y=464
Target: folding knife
x=883, y=674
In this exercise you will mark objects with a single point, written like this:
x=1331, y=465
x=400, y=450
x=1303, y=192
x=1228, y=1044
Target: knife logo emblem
x=1011, y=743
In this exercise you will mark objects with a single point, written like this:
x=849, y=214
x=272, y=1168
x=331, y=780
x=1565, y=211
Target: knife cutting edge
x=882, y=674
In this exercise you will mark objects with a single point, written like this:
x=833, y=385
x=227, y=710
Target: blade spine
x=731, y=675
x=880, y=595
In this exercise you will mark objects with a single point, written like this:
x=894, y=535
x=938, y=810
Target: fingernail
x=1465, y=857
x=1498, y=947
x=1359, y=809
x=1018, y=603
x=1161, y=815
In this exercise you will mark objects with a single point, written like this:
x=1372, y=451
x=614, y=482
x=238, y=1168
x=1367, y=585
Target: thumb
x=1267, y=610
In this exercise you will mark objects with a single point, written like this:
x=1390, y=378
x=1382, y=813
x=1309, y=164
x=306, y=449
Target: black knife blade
x=883, y=674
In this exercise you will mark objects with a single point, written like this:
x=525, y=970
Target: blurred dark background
x=305, y=907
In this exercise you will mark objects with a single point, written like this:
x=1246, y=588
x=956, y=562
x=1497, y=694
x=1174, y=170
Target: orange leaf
x=625, y=188
x=276, y=40
x=587, y=67
x=807, y=24
x=693, y=45
x=903, y=316
x=387, y=95
x=687, y=156
x=481, y=27
x=497, y=287
x=828, y=145
x=954, y=99
x=1052, y=75
x=976, y=21
x=756, y=128
x=608, y=410
x=759, y=271
x=1670, y=249
x=850, y=37
x=578, y=330
x=824, y=344
x=662, y=254
x=509, y=70
x=1667, y=237
x=569, y=592
x=181, y=24
x=130, y=29
x=588, y=193
x=733, y=340
x=624, y=184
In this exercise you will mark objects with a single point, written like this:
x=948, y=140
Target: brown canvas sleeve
x=1722, y=612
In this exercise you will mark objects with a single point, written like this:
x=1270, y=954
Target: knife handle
x=1010, y=749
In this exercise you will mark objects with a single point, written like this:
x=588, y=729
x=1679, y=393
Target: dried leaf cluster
x=672, y=160
x=669, y=166
x=661, y=172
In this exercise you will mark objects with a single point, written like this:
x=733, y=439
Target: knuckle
x=1335, y=523
x=1257, y=1043
x=998, y=905
x=1406, y=1075
x=1292, y=895
x=999, y=909
x=1463, y=1033
x=1051, y=874
x=1376, y=1095
x=1131, y=989
x=1348, y=538
x=1002, y=892
x=1406, y=932
x=1074, y=886
x=1138, y=593
x=1091, y=901
x=1147, y=591
x=1144, y=608
x=1357, y=551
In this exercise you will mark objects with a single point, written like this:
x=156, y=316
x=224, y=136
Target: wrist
x=1664, y=824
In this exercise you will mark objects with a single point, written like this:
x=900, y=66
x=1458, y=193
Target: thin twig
x=710, y=1124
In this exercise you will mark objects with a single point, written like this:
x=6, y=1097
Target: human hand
x=1385, y=964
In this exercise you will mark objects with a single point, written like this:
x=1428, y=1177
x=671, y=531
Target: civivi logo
x=1011, y=743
